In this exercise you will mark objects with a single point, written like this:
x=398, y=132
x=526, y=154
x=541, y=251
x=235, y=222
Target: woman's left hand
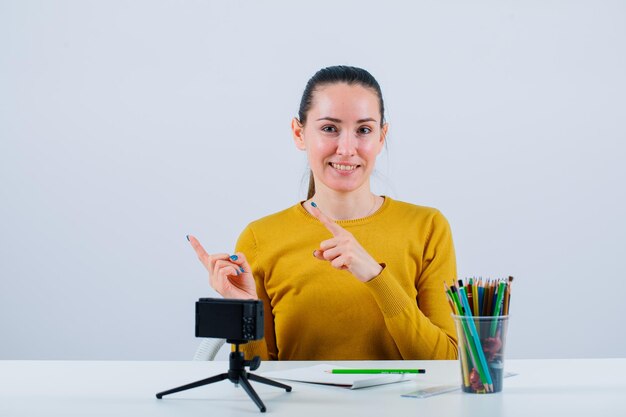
x=343, y=251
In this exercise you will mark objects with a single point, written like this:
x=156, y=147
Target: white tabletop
x=579, y=387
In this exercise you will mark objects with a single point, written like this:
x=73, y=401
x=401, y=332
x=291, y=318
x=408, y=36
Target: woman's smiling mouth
x=343, y=167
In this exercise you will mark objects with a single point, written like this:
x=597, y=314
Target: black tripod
x=237, y=375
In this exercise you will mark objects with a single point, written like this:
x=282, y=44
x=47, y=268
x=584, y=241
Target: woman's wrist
x=373, y=273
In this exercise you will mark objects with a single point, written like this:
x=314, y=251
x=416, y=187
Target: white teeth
x=343, y=167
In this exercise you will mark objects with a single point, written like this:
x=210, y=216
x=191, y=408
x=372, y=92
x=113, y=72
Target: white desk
x=595, y=387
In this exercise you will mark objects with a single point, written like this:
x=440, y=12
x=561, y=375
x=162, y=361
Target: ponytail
x=311, y=191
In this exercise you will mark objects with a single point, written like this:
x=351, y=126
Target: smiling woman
x=345, y=274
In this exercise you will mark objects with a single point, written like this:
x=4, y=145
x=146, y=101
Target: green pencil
x=497, y=307
x=378, y=371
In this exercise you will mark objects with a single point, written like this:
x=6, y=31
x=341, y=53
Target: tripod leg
x=267, y=381
x=200, y=383
x=251, y=392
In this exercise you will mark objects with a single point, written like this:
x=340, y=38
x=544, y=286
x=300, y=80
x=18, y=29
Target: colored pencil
x=377, y=371
x=475, y=300
x=498, y=307
x=482, y=368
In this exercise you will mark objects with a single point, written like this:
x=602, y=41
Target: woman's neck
x=346, y=205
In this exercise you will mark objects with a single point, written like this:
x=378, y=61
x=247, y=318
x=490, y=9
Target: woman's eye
x=329, y=129
x=365, y=130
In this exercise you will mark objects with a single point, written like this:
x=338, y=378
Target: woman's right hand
x=229, y=275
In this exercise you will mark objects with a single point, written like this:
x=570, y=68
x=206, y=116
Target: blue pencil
x=474, y=334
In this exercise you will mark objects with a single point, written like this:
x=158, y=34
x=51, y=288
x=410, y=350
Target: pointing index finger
x=202, y=254
x=333, y=227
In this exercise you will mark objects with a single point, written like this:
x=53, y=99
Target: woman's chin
x=343, y=186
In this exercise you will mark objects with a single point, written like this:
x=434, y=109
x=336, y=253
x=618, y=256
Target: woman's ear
x=383, y=136
x=297, y=129
x=383, y=133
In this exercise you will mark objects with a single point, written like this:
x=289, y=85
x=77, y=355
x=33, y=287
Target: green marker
x=378, y=371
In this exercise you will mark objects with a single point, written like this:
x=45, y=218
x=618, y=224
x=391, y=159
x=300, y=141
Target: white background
x=125, y=125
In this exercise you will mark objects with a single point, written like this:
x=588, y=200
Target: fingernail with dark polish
x=313, y=204
x=241, y=269
x=233, y=257
x=187, y=238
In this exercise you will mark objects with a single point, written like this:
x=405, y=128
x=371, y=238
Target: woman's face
x=342, y=136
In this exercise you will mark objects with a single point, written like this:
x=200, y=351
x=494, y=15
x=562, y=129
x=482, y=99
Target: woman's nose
x=346, y=144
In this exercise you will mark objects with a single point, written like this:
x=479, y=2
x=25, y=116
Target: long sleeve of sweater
x=421, y=328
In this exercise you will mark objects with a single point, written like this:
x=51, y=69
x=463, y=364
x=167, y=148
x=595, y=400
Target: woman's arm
x=266, y=347
x=422, y=328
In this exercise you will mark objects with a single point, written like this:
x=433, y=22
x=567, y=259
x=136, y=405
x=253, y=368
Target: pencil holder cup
x=482, y=340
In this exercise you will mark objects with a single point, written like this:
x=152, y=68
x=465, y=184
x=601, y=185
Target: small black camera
x=237, y=320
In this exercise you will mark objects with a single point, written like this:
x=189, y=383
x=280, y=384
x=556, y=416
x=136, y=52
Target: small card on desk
x=322, y=375
x=440, y=389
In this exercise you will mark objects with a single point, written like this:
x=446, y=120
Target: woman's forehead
x=345, y=101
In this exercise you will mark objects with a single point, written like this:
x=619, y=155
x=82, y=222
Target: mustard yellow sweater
x=316, y=312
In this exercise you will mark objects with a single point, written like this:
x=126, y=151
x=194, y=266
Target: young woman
x=346, y=274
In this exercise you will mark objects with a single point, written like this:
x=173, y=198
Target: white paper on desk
x=317, y=375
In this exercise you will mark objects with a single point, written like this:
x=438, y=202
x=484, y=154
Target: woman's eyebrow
x=334, y=120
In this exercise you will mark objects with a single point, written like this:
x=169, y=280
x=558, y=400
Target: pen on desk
x=377, y=371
